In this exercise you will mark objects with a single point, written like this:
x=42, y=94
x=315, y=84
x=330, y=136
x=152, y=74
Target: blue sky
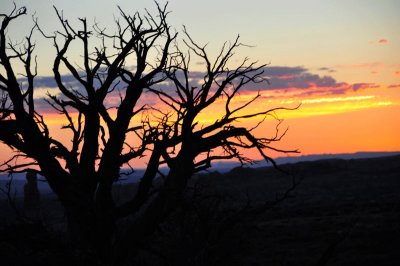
x=310, y=33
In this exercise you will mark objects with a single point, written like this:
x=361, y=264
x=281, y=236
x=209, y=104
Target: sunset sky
x=339, y=59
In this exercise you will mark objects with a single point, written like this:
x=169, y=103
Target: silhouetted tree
x=82, y=174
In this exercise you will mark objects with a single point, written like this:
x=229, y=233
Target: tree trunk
x=91, y=232
x=156, y=212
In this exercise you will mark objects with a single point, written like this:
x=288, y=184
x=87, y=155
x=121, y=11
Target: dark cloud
x=305, y=82
x=274, y=71
x=361, y=86
x=45, y=85
x=284, y=78
x=49, y=81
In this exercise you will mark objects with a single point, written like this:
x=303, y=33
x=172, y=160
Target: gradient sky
x=340, y=59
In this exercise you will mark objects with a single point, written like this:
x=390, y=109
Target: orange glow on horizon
x=365, y=120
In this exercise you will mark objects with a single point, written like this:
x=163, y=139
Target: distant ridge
x=346, y=156
x=226, y=166
x=222, y=167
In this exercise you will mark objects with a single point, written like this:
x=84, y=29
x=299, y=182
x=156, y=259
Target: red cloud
x=286, y=77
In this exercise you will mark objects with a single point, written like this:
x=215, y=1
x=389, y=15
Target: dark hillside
x=343, y=212
x=326, y=212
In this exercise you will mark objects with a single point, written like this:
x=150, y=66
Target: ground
x=340, y=212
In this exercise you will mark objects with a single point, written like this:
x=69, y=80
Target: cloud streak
x=301, y=82
x=379, y=42
x=284, y=81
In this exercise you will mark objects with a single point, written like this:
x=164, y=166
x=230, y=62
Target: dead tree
x=82, y=174
x=188, y=146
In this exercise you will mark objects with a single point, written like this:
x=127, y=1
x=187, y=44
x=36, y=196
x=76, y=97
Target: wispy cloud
x=379, y=42
x=327, y=69
x=301, y=82
x=283, y=82
x=338, y=99
x=394, y=86
x=290, y=78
